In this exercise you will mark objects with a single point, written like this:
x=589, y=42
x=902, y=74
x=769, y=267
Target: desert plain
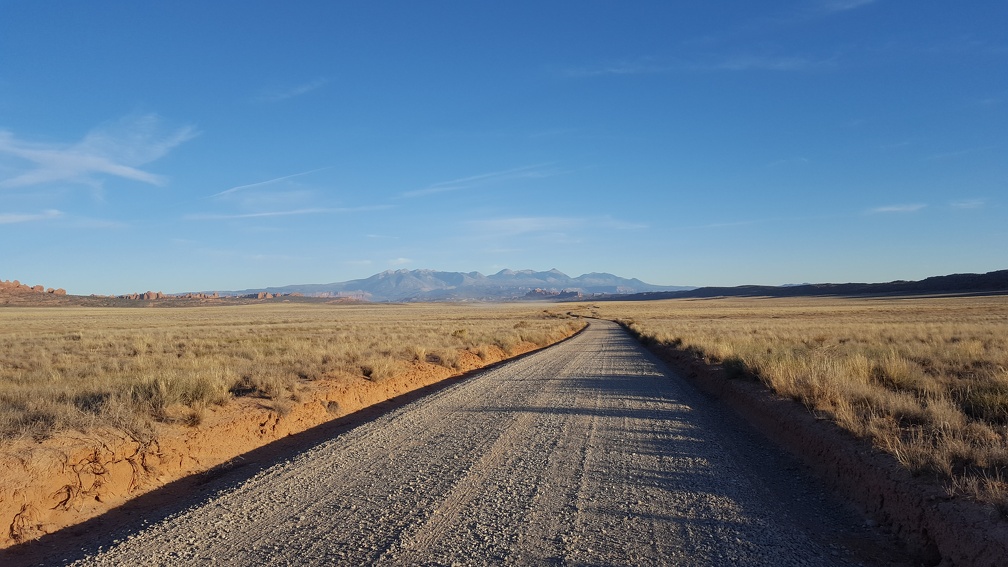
x=98, y=405
x=101, y=404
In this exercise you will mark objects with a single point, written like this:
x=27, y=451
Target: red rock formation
x=16, y=286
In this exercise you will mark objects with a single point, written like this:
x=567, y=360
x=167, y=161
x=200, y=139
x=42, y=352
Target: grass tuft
x=85, y=368
x=924, y=379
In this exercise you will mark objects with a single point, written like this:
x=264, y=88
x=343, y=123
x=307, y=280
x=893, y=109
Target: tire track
x=586, y=453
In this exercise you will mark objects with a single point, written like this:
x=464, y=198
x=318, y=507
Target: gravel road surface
x=590, y=452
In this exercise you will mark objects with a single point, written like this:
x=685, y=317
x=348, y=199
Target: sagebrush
x=925, y=379
x=82, y=368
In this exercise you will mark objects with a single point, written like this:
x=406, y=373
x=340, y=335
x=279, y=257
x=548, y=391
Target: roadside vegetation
x=129, y=368
x=925, y=379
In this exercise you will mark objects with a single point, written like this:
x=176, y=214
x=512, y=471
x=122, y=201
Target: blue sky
x=227, y=145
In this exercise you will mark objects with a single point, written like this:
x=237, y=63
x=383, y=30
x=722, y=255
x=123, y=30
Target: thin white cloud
x=769, y=26
x=759, y=221
x=897, y=145
x=732, y=224
x=740, y=62
x=958, y=153
x=14, y=218
x=968, y=204
x=619, y=68
x=514, y=226
x=97, y=224
x=273, y=258
x=288, y=213
x=909, y=208
x=787, y=161
x=237, y=188
x=293, y=92
x=400, y=261
x=524, y=172
x=770, y=63
x=833, y=6
x=988, y=101
x=116, y=150
x=552, y=132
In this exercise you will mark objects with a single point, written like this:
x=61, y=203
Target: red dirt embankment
x=936, y=528
x=73, y=477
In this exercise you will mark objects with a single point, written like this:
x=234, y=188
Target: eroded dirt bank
x=73, y=477
x=937, y=529
x=588, y=453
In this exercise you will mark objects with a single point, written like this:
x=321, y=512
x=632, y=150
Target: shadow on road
x=77, y=541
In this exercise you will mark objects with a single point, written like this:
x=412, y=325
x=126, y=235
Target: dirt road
x=587, y=453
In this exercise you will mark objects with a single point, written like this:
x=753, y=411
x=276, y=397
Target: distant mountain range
x=431, y=285
x=989, y=283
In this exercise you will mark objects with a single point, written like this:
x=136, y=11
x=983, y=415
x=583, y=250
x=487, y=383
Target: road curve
x=587, y=453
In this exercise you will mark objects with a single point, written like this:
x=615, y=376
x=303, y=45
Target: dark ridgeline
x=991, y=283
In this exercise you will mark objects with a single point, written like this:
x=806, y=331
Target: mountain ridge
x=995, y=282
x=426, y=284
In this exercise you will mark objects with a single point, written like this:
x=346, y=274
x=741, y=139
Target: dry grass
x=925, y=379
x=86, y=368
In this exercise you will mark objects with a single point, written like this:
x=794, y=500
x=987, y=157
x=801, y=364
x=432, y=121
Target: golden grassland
x=925, y=379
x=129, y=368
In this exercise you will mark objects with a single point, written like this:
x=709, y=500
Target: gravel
x=587, y=453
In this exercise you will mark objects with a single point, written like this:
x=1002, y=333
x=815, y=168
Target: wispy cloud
x=898, y=145
x=116, y=150
x=96, y=224
x=274, y=258
x=524, y=172
x=833, y=6
x=14, y=218
x=910, y=208
x=733, y=224
x=788, y=161
x=748, y=62
x=238, y=188
x=287, y=213
x=515, y=226
x=968, y=204
x=957, y=153
x=399, y=261
x=735, y=63
x=620, y=68
x=292, y=92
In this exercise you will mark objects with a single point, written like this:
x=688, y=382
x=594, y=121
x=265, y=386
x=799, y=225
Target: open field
x=129, y=369
x=925, y=379
x=587, y=453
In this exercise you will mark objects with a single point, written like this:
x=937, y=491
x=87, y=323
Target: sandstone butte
x=7, y=286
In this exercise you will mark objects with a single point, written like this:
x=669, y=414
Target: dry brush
x=129, y=369
x=925, y=379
